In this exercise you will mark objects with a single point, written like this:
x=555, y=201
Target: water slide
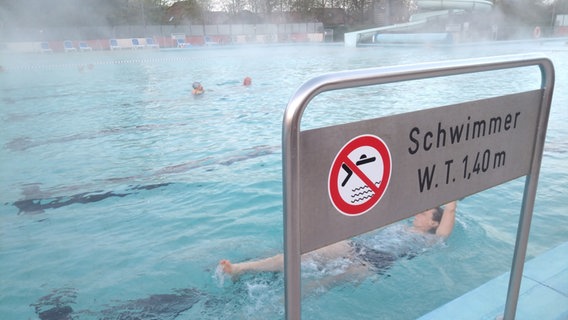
x=477, y=5
x=438, y=8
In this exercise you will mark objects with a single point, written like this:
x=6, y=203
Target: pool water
x=120, y=191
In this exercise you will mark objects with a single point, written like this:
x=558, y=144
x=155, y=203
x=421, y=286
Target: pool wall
x=543, y=295
x=23, y=40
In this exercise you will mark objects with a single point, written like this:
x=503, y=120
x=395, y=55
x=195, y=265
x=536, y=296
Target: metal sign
x=438, y=155
x=409, y=162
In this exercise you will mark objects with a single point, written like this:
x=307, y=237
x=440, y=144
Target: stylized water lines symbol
x=364, y=193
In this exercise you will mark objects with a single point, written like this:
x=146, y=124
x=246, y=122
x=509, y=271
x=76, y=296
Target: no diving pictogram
x=359, y=175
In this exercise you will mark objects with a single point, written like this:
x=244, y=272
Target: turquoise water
x=120, y=191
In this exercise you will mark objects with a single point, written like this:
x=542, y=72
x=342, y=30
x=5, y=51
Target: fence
x=8, y=34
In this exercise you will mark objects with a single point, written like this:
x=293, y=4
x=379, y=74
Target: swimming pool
x=120, y=191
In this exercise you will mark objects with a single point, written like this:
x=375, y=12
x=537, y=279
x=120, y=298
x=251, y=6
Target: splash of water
x=219, y=276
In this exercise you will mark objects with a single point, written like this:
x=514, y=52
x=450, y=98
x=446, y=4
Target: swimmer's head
x=247, y=81
x=196, y=85
x=429, y=220
x=437, y=214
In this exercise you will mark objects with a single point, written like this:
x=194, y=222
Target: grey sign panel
x=437, y=155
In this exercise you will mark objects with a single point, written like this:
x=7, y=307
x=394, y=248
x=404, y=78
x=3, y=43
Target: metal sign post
x=431, y=157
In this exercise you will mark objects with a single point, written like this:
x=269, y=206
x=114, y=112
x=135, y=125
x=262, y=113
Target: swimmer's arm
x=448, y=219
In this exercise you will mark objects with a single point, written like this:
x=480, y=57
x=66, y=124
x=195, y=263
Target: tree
x=188, y=11
x=234, y=6
x=528, y=12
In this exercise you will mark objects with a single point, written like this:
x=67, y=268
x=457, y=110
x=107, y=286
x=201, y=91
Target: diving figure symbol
x=362, y=160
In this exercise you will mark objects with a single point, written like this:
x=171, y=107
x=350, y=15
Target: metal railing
x=298, y=241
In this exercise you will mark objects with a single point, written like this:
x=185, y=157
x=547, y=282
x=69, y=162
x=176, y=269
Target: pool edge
x=543, y=294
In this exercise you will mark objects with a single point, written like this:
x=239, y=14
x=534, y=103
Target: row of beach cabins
x=175, y=41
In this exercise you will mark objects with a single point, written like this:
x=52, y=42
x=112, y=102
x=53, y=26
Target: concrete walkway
x=543, y=294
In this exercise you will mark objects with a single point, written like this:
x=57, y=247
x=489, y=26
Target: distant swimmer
x=197, y=89
x=247, y=81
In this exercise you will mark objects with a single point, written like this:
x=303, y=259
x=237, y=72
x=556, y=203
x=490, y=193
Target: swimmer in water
x=247, y=81
x=436, y=222
x=197, y=89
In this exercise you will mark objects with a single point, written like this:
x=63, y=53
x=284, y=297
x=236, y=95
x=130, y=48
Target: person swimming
x=431, y=225
x=197, y=88
x=247, y=81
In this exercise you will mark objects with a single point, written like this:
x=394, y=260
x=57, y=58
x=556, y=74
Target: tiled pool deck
x=543, y=294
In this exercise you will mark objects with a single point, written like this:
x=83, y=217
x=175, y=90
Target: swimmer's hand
x=226, y=266
x=233, y=269
x=230, y=269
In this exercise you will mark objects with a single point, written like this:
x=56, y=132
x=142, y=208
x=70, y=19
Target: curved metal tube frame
x=383, y=75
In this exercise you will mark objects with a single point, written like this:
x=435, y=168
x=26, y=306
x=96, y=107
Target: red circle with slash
x=359, y=175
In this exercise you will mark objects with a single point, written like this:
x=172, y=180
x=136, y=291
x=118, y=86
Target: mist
x=56, y=20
